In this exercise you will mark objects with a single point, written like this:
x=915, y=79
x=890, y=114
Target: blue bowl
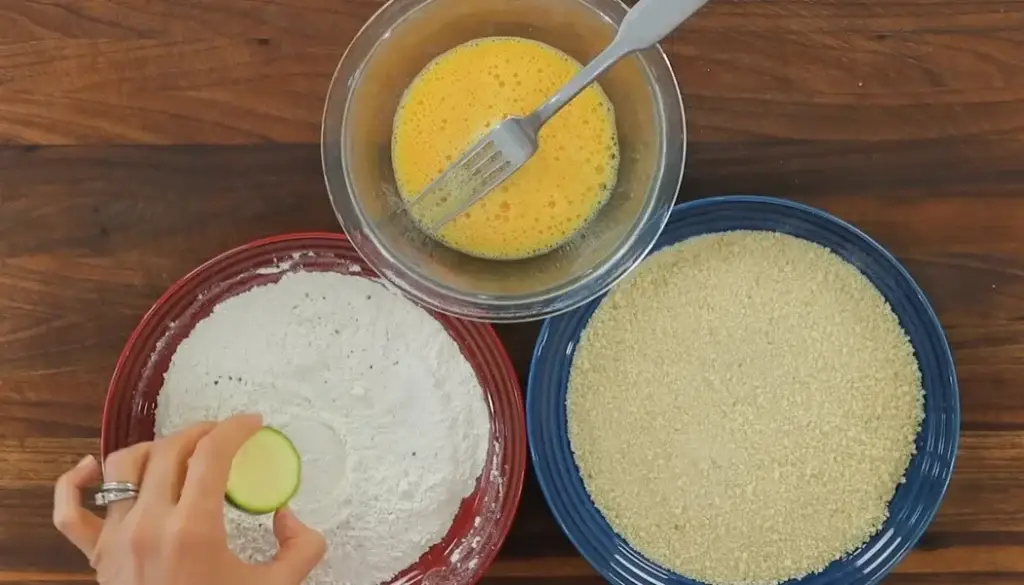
x=915, y=502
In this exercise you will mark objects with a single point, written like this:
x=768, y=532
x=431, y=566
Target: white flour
x=388, y=415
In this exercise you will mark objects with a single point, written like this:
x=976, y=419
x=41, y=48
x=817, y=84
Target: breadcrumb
x=743, y=407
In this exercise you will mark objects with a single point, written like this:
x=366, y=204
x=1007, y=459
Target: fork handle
x=650, y=21
x=645, y=24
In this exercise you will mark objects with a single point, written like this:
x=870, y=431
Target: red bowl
x=468, y=549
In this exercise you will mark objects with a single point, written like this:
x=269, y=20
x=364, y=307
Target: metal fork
x=506, y=148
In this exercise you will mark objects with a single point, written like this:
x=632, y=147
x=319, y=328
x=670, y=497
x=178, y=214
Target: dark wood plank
x=183, y=19
x=34, y=462
x=163, y=91
x=114, y=71
x=47, y=578
x=28, y=469
x=60, y=343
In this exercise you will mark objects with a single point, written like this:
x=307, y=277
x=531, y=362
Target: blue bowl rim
x=687, y=206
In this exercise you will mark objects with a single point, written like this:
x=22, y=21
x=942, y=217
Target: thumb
x=300, y=548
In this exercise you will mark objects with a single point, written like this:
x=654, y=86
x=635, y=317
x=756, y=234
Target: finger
x=300, y=549
x=207, y=475
x=127, y=465
x=168, y=463
x=77, y=524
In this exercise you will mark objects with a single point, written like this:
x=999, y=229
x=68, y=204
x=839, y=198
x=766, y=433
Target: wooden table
x=141, y=137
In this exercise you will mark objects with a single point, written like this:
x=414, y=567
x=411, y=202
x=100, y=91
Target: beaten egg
x=464, y=93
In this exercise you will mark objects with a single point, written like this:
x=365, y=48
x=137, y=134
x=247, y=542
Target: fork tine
x=476, y=172
x=492, y=160
x=496, y=175
x=480, y=188
x=484, y=177
x=432, y=191
x=482, y=152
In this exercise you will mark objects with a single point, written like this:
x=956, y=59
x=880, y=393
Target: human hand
x=174, y=534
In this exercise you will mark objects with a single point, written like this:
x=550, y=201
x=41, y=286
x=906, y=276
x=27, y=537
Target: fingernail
x=250, y=417
x=87, y=460
x=289, y=518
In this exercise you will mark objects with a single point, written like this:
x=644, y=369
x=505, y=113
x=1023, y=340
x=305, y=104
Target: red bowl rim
x=515, y=496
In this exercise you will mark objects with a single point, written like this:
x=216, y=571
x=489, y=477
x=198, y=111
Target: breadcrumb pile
x=743, y=407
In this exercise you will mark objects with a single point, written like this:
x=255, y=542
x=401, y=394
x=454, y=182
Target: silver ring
x=104, y=499
x=119, y=486
x=115, y=491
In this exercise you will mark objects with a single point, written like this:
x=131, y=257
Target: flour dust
x=388, y=415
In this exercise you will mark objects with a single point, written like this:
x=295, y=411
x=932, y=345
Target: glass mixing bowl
x=384, y=58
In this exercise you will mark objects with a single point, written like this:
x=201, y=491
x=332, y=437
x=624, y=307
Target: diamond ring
x=115, y=491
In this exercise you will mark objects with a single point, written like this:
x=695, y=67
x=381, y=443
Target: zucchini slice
x=265, y=473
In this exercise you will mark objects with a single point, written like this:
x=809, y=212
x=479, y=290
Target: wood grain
x=232, y=71
x=82, y=261
x=141, y=137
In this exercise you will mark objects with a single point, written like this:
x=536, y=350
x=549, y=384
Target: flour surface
x=388, y=415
